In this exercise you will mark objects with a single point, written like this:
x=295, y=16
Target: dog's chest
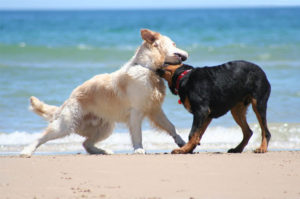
x=154, y=87
x=158, y=87
x=146, y=91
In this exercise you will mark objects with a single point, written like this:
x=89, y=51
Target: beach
x=153, y=176
x=49, y=53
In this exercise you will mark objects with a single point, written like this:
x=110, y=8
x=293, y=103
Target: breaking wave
x=216, y=139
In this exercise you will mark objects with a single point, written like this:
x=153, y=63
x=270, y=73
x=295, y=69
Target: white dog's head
x=165, y=46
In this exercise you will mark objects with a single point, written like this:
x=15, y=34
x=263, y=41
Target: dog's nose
x=183, y=57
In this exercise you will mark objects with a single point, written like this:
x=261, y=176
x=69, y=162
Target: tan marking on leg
x=264, y=144
x=239, y=115
x=194, y=141
x=263, y=147
x=187, y=104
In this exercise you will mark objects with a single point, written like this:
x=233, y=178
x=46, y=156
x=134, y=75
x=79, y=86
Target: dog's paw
x=234, y=151
x=25, y=155
x=108, y=152
x=260, y=150
x=139, y=151
x=178, y=151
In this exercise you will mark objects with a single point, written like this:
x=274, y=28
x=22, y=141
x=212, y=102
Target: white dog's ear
x=149, y=36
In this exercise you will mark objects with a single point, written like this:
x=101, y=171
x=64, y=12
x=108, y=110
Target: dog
x=127, y=95
x=210, y=92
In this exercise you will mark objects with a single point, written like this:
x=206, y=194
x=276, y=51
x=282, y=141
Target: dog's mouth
x=179, y=58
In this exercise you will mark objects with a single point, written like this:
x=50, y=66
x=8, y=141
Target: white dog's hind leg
x=160, y=120
x=135, y=127
x=62, y=126
x=98, y=133
x=50, y=133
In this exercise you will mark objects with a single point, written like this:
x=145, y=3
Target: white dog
x=127, y=95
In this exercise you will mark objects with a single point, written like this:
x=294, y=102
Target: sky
x=139, y=4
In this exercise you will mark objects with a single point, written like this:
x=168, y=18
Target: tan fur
x=194, y=140
x=239, y=112
x=264, y=143
x=126, y=95
x=187, y=104
x=149, y=36
x=44, y=110
x=169, y=72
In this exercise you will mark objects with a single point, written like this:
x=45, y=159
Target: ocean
x=48, y=53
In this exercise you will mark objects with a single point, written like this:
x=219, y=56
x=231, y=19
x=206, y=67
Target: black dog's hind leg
x=259, y=104
x=260, y=109
x=200, y=123
x=239, y=114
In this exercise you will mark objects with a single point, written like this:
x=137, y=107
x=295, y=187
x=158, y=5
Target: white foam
x=22, y=44
x=284, y=136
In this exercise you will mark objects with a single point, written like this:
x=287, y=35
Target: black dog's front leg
x=200, y=123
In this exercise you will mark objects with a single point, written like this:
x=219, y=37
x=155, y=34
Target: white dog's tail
x=42, y=109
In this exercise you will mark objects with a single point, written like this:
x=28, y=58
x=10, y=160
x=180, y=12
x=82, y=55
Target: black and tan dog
x=210, y=92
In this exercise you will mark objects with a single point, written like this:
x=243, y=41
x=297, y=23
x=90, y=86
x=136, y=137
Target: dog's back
x=225, y=85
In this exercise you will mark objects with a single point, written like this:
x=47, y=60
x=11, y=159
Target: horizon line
x=149, y=8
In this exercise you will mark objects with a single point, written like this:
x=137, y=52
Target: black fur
x=213, y=91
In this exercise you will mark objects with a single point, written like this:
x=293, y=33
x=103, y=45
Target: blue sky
x=137, y=4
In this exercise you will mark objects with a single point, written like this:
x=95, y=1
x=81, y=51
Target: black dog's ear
x=160, y=72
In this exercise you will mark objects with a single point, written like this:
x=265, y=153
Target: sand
x=155, y=176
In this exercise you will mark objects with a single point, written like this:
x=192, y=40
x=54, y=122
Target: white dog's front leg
x=160, y=120
x=135, y=127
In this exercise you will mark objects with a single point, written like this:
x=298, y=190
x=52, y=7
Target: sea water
x=48, y=53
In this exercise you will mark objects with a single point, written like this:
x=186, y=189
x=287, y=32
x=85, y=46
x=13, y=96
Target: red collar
x=179, y=78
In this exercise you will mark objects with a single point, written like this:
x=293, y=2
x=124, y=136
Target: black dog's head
x=171, y=72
